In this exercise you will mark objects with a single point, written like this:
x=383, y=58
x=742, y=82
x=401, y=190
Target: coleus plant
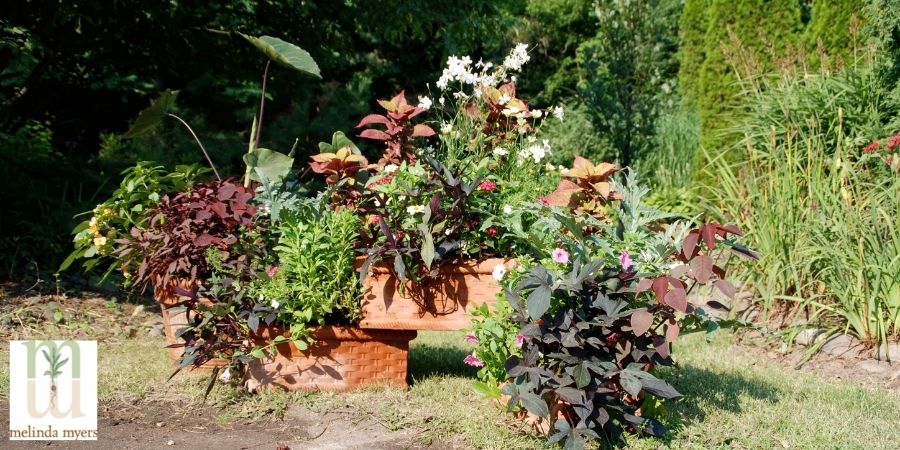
x=586, y=188
x=398, y=129
x=345, y=168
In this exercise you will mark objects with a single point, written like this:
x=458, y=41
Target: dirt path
x=154, y=426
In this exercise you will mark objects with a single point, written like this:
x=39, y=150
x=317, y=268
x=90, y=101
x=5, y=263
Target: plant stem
x=262, y=103
x=203, y=149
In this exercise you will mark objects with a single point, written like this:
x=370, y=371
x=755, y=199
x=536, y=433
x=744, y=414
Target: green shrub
x=627, y=71
x=834, y=30
x=575, y=135
x=691, y=52
x=753, y=33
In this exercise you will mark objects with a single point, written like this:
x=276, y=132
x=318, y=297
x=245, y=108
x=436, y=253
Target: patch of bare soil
x=159, y=425
x=867, y=372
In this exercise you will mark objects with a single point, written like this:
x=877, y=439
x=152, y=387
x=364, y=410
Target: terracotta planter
x=174, y=319
x=342, y=359
x=439, y=304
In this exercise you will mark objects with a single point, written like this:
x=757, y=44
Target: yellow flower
x=100, y=241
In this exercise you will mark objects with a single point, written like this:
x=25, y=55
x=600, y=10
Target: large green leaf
x=268, y=166
x=285, y=53
x=150, y=117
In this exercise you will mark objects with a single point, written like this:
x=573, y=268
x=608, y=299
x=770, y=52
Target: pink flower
x=543, y=200
x=627, y=263
x=272, y=271
x=520, y=340
x=373, y=219
x=893, y=142
x=560, y=255
x=491, y=231
x=871, y=148
x=473, y=361
x=472, y=338
x=487, y=185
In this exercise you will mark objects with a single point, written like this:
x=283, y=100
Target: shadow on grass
x=431, y=357
x=706, y=393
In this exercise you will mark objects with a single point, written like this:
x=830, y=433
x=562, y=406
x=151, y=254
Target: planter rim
x=343, y=333
x=463, y=266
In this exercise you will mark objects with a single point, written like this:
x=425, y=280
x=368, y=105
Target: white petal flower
x=500, y=151
x=559, y=113
x=517, y=57
x=503, y=99
x=446, y=127
x=507, y=209
x=441, y=100
x=499, y=272
x=537, y=114
x=424, y=102
x=390, y=168
x=415, y=209
x=275, y=304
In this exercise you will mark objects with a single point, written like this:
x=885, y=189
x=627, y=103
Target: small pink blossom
x=560, y=255
x=487, y=185
x=472, y=338
x=873, y=147
x=272, y=271
x=520, y=340
x=473, y=361
x=627, y=263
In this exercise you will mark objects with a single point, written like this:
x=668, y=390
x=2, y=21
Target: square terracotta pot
x=443, y=303
x=342, y=359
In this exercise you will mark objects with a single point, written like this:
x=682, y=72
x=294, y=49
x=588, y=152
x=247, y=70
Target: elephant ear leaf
x=268, y=166
x=153, y=115
x=285, y=53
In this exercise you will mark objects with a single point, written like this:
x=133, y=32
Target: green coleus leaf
x=153, y=115
x=268, y=166
x=285, y=54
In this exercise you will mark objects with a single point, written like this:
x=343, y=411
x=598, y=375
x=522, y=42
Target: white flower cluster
x=536, y=152
x=461, y=69
x=481, y=74
x=517, y=58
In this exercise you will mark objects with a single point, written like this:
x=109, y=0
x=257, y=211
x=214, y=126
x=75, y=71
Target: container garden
x=442, y=303
x=341, y=359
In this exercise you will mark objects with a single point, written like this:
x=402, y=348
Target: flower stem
x=203, y=149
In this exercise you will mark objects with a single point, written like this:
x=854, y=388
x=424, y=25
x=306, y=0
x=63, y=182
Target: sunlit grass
x=732, y=398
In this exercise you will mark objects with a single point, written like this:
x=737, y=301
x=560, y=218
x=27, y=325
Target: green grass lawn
x=733, y=398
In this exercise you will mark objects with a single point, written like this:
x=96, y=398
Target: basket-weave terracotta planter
x=443, y=303
x=342, y=359
x=175, y=318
